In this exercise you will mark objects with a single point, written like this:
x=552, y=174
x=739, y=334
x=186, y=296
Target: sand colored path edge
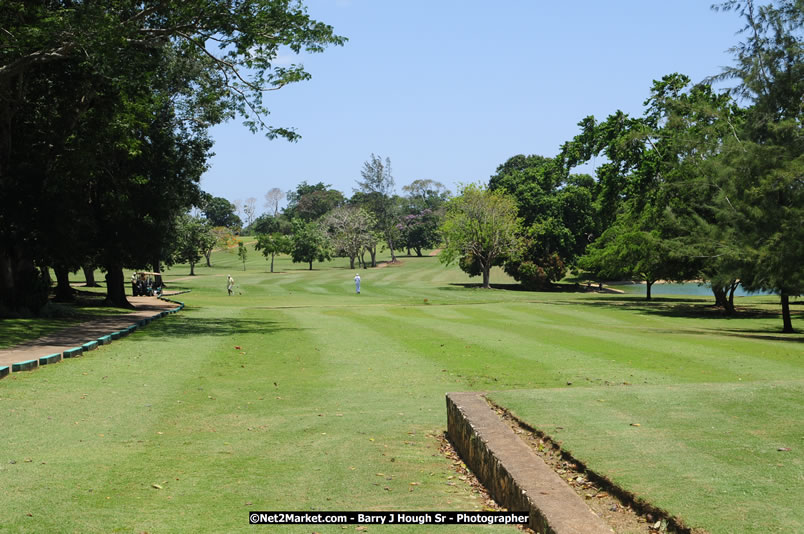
x=75, y=336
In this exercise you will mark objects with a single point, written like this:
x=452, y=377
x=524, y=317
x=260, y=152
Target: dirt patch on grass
x=382, y=264
x=621, y=510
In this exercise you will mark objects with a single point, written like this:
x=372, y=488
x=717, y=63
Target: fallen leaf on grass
x=635, y=424
x=783, y=449
x=156, y=486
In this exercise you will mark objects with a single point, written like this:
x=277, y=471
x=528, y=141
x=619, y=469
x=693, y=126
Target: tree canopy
x=104, y=112
x=480, y=227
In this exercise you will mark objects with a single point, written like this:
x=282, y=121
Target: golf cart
x=144, y=283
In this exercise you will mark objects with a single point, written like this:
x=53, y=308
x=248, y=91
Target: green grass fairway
x=707, y=452
x=335, y=401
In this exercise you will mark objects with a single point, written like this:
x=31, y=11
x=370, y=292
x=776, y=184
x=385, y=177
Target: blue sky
x=449, y=89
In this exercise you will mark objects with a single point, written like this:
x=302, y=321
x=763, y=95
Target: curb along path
x=512, y=473
x=75, y=340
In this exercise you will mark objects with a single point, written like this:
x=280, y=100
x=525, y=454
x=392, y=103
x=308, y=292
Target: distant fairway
x=335, y=401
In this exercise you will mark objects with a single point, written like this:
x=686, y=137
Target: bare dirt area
x=622, y=511
x=382, y=264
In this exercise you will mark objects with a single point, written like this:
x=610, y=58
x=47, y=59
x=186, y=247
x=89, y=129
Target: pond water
x=688, y=288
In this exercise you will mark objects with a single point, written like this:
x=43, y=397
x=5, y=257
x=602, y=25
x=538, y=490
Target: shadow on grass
x=770, y=335
x=689, y=308
x=554, y=288
x=16, y=331
x=179, y=327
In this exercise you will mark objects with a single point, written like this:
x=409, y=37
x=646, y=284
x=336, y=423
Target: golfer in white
x=357, y=283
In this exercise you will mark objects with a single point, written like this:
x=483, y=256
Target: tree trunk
x=272, y=262
x=351, y=262
x=311, y=265
x=649, y=284
x=391, y=248
x=486, y=277
x=720, y=295
x=208, y=255
x=64, y=293
x=418, y=251
x=787, y=321
x=157, y=269
x=730, y=305
x=373, y=252
x=23, y=286
x=89, y=276
x=192, y=268
x=115, y=287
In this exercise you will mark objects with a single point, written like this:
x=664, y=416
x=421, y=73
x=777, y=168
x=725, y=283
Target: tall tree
x=558, y=216
x=193, y=236
x=91, y=96
x=310, y=201
x=351, y=231
x=377, y=186
x=480, y=227
x=309, y=243
x=242, y=253
x=425, y=194
x=221, y=212
x=272, y=199
x=419, y=231
x=762, y=166
x=250, y=210
x=272, y=244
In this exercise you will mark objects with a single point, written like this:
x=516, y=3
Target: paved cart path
x=75, y=336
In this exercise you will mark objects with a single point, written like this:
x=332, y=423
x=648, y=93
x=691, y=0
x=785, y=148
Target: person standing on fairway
x=357, y=283
x=230, y=284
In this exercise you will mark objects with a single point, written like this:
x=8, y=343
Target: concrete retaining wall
x=512, y=473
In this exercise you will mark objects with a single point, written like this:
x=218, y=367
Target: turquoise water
x=689, y=288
